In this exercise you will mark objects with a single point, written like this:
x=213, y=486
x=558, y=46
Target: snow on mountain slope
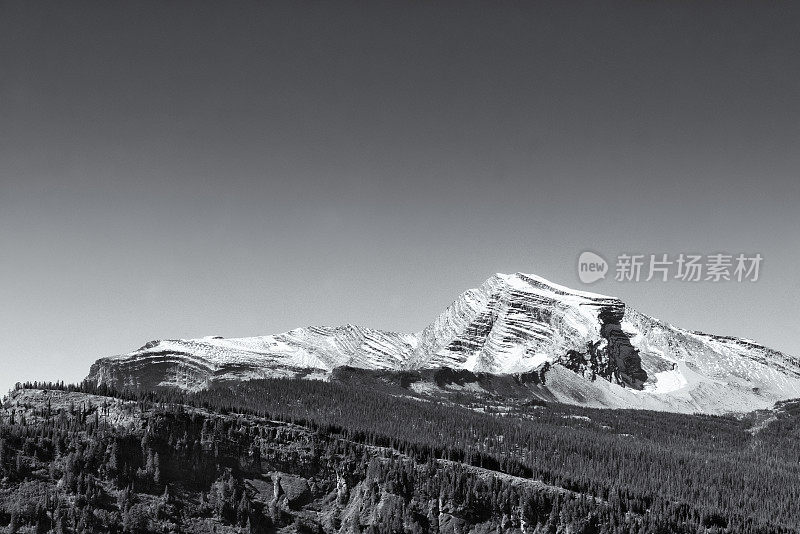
x=590, y=349
x=311, y=352
x=512, y=323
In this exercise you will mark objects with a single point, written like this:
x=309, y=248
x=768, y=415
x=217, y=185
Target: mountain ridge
x=591, y=349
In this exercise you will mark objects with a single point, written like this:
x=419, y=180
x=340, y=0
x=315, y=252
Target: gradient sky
x=182, y=169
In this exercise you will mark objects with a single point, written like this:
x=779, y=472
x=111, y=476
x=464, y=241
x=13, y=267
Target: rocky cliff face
x=311, y=352
x=511, y=324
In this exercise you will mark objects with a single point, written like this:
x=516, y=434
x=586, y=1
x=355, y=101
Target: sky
x=182, y=169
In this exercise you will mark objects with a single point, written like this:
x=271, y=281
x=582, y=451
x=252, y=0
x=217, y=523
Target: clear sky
x=182, y=169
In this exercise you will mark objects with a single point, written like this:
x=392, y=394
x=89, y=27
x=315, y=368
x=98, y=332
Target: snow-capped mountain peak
x=586, y=348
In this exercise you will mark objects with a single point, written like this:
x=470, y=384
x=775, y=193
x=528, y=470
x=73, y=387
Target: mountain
x=552, y=342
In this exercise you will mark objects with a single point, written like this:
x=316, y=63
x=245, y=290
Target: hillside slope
x=298, y=456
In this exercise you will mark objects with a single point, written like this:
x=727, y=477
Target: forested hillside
x=307, y=456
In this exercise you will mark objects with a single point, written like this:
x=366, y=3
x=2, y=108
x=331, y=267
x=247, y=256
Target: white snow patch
x=515, y=281
x=539, y=359
x=579, y=417
x=667, y=381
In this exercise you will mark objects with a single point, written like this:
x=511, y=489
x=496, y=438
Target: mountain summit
x=554, y=342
